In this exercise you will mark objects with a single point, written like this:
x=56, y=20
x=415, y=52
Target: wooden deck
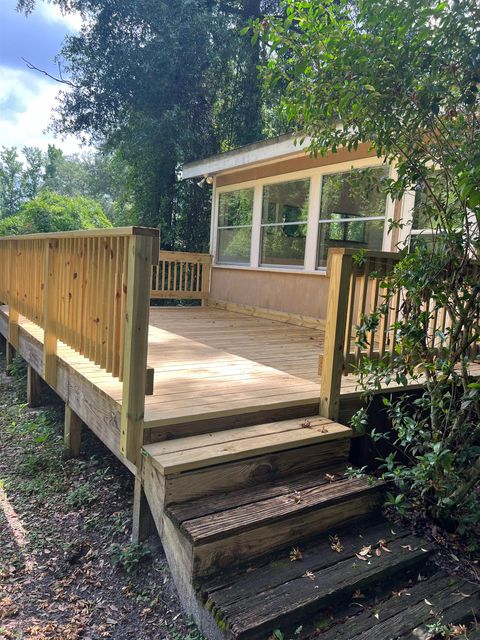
x=211, y=364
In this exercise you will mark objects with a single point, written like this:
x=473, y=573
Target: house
x=276, y=211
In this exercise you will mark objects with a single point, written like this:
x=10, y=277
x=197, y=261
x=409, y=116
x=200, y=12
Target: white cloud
x=52, y=13
x=34, y=100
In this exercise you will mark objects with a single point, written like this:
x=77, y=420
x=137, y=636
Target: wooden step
x=451, y=600
x=224, y=530
x=197, y=452
x=253, y=602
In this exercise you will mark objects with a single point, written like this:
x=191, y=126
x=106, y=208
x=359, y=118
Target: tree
x=50, y=212
x=10, y=181
x=32, y=170
x=160, y=83
x=404, y=76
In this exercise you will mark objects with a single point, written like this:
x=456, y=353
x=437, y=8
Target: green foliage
x=176, y=82
x=81, y=496
x=10, y=181
x=18, y=368
x=128, y=556
x=50, y=212
x=403, y=76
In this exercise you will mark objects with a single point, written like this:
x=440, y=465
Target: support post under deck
x=72, y=433
x=9, y=355
x=34, y=388
x=143, y=523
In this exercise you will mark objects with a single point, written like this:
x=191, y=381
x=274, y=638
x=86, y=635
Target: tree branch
x=60, y=79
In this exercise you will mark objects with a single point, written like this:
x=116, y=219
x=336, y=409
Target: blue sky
x=26, y=97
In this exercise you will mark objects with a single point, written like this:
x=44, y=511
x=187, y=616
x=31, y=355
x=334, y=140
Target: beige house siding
x=299, y=293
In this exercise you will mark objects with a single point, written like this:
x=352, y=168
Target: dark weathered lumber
x=224, y=501
x=366, y=621
x=409, y=623
x=218, y=525
x=233, y=586
x=282, y=605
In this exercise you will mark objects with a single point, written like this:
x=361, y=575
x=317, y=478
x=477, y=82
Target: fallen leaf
x=295, y=554
x=335, y=543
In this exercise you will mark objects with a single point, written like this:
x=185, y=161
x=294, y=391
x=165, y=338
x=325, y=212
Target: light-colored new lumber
x=136, y=346
x=203, y=456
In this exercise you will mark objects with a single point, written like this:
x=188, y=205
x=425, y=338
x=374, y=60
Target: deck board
x=210, y=363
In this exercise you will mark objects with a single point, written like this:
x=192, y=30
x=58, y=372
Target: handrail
x=181, y=275
x=87, y=233
x=355, y=292
x=90, y=290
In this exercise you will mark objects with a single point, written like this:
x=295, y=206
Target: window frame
x=297, y=223
x=239, y=226
x=365, y=219
x=313, y=222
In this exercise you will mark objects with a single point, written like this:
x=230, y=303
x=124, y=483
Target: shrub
x=50, y=212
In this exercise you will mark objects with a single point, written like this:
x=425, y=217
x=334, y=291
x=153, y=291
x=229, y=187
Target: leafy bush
x=403, y=77
x=50, y=212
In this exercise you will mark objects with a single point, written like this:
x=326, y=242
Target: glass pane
x=284, y=245
x=235, y=208
x=233, y=245
x=361, y=234
x=354, y=194
x=286, y=202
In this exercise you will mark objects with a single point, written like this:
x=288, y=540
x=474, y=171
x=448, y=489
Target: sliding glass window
x=234, y=232
x=352, y=211
x=284, y=223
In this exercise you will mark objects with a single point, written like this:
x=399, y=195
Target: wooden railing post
x=339, y=270
x=12, y=297
x=140, y=253
x=206, y=275
x=50, y=338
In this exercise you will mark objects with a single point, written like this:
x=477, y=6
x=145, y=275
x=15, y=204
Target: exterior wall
x=298, y=293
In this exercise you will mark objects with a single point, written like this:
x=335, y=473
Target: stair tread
x=256, y=513
x=206, y=505
x=251, y=601
x=196, y=452
x=440, y=597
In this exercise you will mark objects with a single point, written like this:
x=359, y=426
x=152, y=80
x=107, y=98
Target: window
x=352, y=211
x=234, y=238
x=284, y=223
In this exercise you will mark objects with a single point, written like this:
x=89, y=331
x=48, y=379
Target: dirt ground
x=67, y=568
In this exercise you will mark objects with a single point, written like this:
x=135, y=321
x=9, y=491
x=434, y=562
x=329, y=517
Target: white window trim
x=315, y=176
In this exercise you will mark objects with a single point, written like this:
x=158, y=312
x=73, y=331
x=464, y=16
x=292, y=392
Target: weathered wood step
x=196, y=452
x=225, y=530
x=408, y=613
x=253, y=602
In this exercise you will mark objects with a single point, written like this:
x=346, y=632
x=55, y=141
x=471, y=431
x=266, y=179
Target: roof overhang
x=252, y=154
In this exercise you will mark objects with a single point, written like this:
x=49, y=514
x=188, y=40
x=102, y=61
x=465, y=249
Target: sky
x=27, y=97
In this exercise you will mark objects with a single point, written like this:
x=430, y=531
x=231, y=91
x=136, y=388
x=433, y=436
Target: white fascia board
x=258, y=152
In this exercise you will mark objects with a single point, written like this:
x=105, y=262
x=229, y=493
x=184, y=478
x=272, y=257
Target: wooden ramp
x=264, y=529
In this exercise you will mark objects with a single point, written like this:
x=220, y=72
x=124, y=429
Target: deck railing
x=181, y=275
x=355, y=292
x=91, y=291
